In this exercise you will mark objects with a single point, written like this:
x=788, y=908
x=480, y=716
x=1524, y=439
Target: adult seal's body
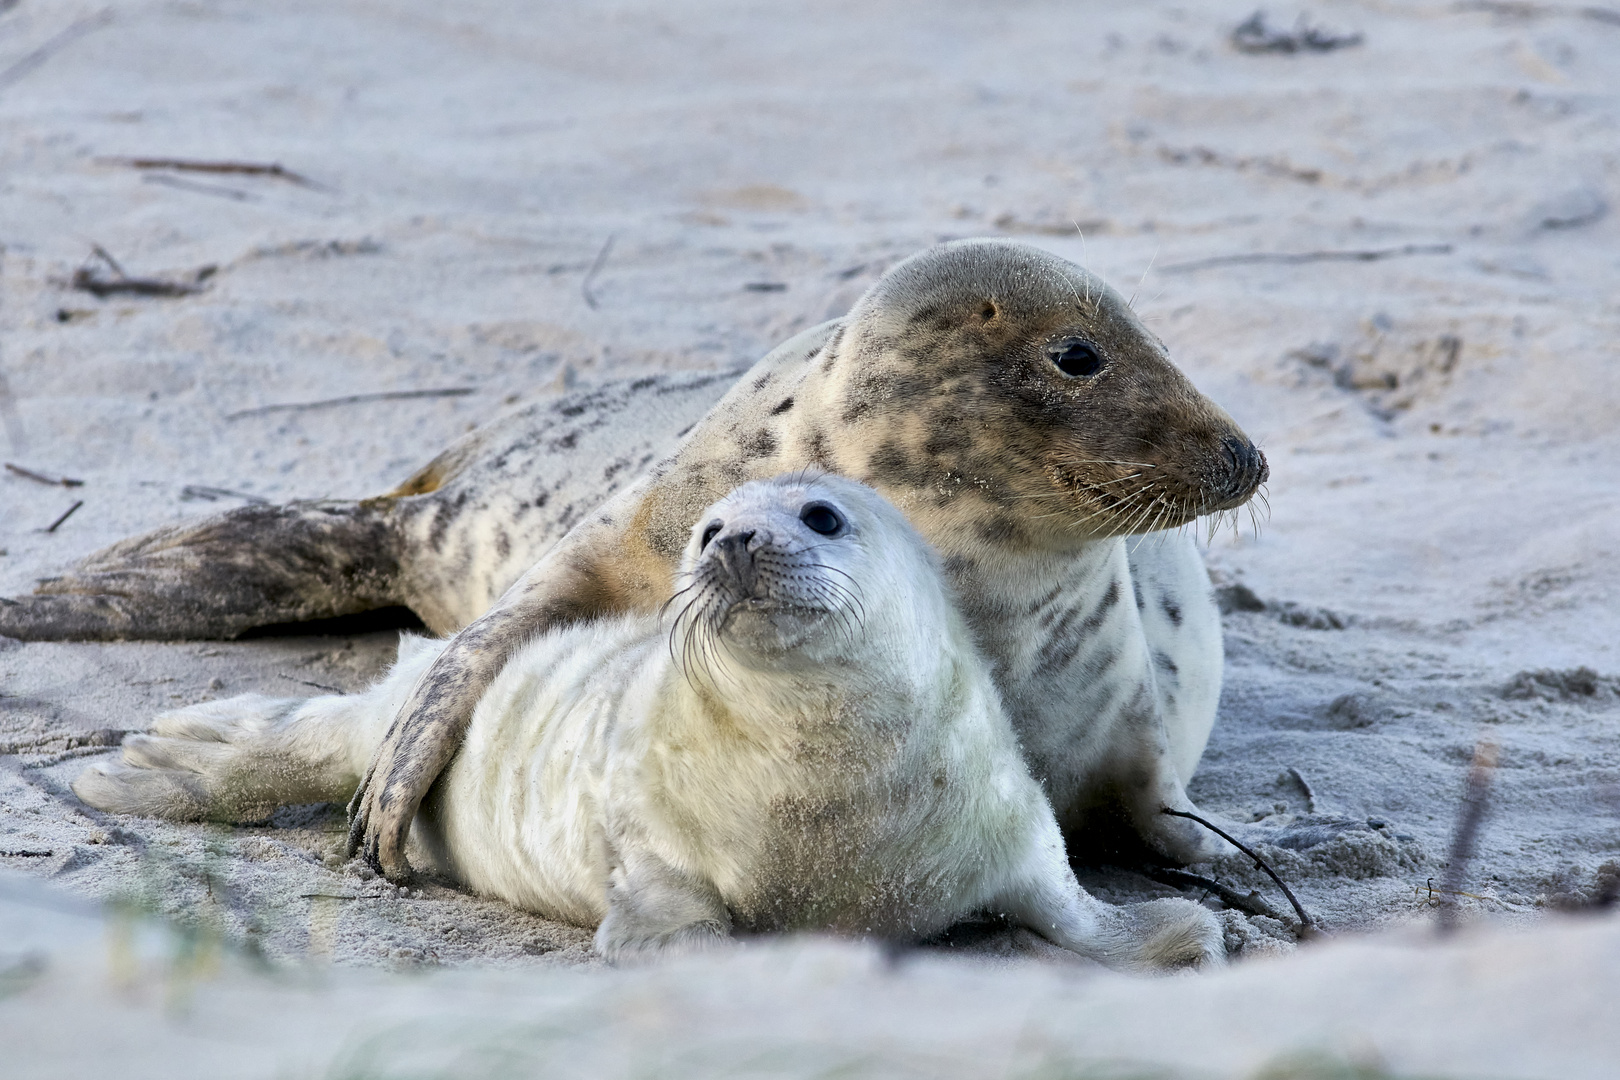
x=807, y=739
x=1007, y=401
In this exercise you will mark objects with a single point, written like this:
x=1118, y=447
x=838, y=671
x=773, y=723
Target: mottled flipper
x=219, y=577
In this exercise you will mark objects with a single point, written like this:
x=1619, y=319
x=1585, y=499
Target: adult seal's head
x=992, y=367
x=799, y=573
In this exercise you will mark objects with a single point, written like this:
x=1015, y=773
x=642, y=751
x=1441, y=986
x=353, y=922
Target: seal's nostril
x=744, y=537
x=1245, y=466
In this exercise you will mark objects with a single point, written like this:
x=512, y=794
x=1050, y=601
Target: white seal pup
x=1010, y=404
x=808, y=739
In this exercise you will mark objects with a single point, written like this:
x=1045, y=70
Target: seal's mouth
x=1127, y=498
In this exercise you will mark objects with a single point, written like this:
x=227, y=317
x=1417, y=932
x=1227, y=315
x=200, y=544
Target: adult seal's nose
x=1245, y=469
x=734, y=555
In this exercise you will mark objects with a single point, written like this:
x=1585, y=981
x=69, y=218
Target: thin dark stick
x=596, y=268
x=106, y=256
x=1475, y=798
x=1252, y=904
x=354, y=399
x=237, y=168
x=54, y=481
x=27, y=853
x=65, y=516
x=27, y=64
x=316, y=685
x=199, y=491
x=1305, y=922
x=1294, y=258
x=85, y=280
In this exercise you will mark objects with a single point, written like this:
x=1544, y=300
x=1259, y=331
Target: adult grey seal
x=807, y=739
x=1009, y=402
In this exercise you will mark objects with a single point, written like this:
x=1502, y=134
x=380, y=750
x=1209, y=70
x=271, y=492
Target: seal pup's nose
x=1245, y=468
x=734, y=556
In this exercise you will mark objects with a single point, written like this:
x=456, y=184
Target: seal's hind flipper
x=221, y=576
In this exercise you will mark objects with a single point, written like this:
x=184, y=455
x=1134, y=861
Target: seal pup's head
x=800, y=573
x=996, y=370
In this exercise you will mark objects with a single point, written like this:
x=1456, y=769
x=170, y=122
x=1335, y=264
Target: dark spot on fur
x=764, y=380
x=572, y=410
x=1162, y=658
x=681, y=434
x=816, y=450
x=643, y=383
x=1136, y=588
x=784, y=406
x=961, y=566
x=1172, y=610
x=944, y=437
x=565, y=443
x=891, y=464
x=760, y=444
x=1000, y=529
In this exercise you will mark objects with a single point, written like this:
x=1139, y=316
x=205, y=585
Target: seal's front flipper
x=220, y=577
x=655, y=910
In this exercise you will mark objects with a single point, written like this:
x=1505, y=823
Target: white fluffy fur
x=851, y=770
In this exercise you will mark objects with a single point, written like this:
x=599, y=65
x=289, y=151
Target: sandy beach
x=1393, y=259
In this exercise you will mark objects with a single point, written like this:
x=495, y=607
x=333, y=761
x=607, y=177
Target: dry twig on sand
x=234, y=168
x=39, y=477
x=65, y=515
x=353, y=399
x=1476, y=797
x=1307, y=926
x=87, y=279
x=1251, y=903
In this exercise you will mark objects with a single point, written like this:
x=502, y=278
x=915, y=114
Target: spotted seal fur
x=1009, y=402
x=807, y=738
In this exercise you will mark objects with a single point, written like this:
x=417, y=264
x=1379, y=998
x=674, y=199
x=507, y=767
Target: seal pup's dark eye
x=821, y=518
x=1075, y=358
x=710, y=533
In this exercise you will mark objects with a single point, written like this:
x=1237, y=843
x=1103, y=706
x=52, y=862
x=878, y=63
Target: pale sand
x=472, y=161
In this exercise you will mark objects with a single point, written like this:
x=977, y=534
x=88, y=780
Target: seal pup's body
x=1006, y=400
x=809, y=739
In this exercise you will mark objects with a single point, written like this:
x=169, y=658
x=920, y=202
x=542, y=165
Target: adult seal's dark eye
x=822, y=518
x=710, y=533
x=1075, y=358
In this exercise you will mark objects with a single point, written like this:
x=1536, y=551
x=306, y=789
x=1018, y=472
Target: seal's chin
x=771, y=629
